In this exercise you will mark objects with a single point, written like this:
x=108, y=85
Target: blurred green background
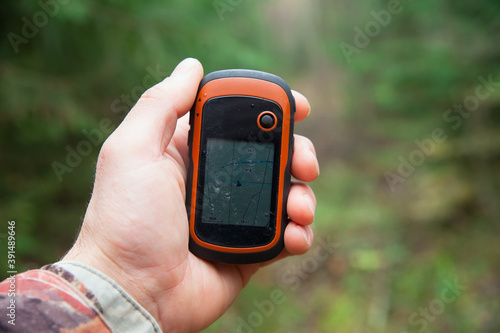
x=405, y=123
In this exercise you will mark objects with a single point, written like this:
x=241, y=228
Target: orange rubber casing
x=248, y=84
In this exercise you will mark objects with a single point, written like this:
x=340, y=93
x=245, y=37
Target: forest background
x=405, y=117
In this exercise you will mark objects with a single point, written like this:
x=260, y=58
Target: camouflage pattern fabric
x=45, y=302
x=70, y=297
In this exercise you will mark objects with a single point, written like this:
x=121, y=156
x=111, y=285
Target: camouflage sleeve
x=69, y=297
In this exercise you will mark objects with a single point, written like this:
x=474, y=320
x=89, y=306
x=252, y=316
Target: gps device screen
x=238, y=183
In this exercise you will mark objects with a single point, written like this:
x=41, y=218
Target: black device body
x=240, y=149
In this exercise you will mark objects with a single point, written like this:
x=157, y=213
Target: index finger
x=302, y=107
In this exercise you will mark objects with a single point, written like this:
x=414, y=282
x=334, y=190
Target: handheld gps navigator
x=240, y=150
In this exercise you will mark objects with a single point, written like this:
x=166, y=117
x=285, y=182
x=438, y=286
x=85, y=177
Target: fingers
x=301, y=204
x=149, y=126
x=298, y=238
x=300, y=208
x=305, y=166
x=301, y=200
x=302, y=107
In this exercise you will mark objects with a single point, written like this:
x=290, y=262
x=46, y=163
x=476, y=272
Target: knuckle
x=107, y=151
x=154, y=92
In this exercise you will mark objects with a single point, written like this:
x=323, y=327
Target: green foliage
x=397, y=245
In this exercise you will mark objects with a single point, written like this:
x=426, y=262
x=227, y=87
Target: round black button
x=266, y=121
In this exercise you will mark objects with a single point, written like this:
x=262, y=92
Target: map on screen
x=238, y=182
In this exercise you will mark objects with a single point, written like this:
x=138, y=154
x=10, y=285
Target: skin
x=135, y=229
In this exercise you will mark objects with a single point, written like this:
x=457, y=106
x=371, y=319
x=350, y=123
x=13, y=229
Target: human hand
x=135, y=229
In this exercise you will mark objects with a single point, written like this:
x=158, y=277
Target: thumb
x=149, y=126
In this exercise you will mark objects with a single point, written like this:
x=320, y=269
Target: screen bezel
x=234, y=118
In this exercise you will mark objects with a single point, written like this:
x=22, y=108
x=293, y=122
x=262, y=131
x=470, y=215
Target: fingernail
x=310, y=204
x=315, y=159
x=184, y=67
x=306, y=235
